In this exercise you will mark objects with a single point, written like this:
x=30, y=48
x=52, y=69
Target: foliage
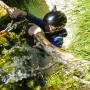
x=81, y=44
x=2, y=12
x=62, y=81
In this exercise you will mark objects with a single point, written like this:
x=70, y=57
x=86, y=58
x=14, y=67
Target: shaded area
x=36, y=7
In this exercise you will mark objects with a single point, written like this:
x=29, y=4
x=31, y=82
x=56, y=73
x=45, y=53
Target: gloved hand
x=17, y=13
x=57, y=40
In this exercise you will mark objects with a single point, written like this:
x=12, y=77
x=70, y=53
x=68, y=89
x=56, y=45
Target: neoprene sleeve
x=37, y=21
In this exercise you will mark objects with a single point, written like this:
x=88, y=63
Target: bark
x=5, y=19
x=62, y=56
x=59, y=54
x=9, y=9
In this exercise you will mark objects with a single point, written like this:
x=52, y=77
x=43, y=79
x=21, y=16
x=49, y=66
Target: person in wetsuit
x=52, y=25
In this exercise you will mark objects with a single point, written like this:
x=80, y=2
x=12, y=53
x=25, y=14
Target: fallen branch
x=63, y=56
x=77, y=78
x=59, y=54
x=6, y=7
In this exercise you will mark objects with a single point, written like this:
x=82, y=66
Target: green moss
x=62, y=81
x=81, y=44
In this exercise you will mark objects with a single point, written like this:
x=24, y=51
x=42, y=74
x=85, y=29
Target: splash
x=26, y=62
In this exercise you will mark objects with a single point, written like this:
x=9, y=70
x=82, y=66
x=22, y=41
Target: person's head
x=56, y=20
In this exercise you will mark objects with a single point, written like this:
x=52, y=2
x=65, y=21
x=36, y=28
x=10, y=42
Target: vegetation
x=81, y=44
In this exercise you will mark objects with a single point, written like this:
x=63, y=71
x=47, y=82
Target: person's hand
x=34, y=30
x=17, y=13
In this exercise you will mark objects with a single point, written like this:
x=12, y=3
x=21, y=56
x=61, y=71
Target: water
x=25, y=62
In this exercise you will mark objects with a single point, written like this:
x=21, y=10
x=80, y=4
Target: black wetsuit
x=44, y=26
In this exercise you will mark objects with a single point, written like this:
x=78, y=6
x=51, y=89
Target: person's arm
x=39, y=22
x=33, y=30
x=62, y=33
x=20, y=13
x=36, y=20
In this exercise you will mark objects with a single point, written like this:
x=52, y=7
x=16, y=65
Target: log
x=59, y=54
x=5, y=19
x=64, y=57
x=6, y=7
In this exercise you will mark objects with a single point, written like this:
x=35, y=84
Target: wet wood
x=62, y=56
x=59, y=54
x=6, y=7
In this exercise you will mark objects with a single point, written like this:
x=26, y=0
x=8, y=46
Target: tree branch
x=6, y=7
x=58, y=54
x=63, y=56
